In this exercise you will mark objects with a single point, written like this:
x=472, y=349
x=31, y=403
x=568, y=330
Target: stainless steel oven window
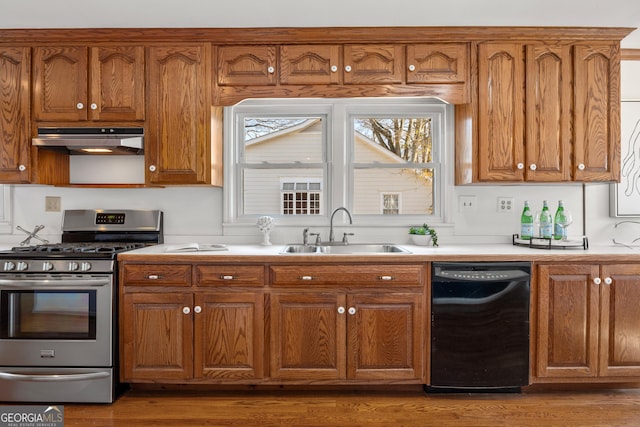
x=48, y=314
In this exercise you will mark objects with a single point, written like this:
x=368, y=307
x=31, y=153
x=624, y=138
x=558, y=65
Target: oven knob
x=73, y=266
x=22, y=266
x=8, y=266
x=47, y=266
x=85, y=266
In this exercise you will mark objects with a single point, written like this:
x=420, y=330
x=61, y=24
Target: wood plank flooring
x=610, y=408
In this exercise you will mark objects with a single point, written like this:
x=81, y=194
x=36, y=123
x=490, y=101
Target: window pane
x=277, y=191
x=283, y=140
x=414, y=188
x=393, y=140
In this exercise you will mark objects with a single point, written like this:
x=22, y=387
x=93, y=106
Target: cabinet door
x=438, y=63
x=308, y=337
x=385, y=337
x=157, y=337
x=15, y=161
x=60, y=83
x=548, y=143
x=247, y=65
x=373, y=64
x=567, y=340
x=229, y=336
x=597, y=112
x=501, y=112
x=620, y=321
x=177, y=145
x=117, y=83
x=310, y=64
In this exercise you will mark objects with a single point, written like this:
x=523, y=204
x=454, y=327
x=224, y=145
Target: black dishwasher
x=480, y=326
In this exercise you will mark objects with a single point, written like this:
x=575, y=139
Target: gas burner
x=60, y=248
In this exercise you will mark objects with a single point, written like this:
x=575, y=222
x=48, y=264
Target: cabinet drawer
x=157, y=274
x=229, y=275
x=347, y=275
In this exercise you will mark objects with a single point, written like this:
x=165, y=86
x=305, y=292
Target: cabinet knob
x=271, y=70
x=352, y=310
x=341, y=310
x=347, y=68
x=597, y=280
x=186, y=310
x=581, y=166
x=22, y=168
x=520, y=166
x=152, y=168
x=93, y=106
x=412, y=67
x=608, y=280
x=533, y=166
x=334, y=68
x=197, y=309
x=79, y=105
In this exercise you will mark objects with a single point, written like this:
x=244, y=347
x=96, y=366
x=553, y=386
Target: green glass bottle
x=526, y=223
x=559, y=218
x=546, y=221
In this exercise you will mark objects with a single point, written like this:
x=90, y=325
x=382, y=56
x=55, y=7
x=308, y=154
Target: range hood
x=101, y=141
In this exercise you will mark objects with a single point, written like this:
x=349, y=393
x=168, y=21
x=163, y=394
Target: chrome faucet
x=331, y=239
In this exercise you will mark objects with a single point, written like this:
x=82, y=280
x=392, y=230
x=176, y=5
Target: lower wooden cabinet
x=206, y=323
x=176, y=337
x=327, y=336
x=588, y=323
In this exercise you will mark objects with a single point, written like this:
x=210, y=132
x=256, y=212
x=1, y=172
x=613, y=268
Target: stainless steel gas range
x=58, y=308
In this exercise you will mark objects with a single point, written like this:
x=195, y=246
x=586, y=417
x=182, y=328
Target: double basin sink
x=355, y=248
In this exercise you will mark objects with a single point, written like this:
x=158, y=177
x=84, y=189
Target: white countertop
x=454, y=252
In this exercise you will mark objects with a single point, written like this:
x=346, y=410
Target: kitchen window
x=298, y=160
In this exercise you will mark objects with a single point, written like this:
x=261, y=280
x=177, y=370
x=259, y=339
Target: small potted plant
x=423, y=235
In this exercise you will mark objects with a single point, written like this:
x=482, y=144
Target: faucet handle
x=344, y=238
x=305, y=236
x=318, y=241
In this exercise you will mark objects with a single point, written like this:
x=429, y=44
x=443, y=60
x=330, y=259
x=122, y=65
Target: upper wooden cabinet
x=373, y=64
x=88, y=83
x=596, y=119
x=15, y=124
x=438, y=63
x=178, y=132
x=544, y=113
x=310, y=64
x=247, y=65
x=342, y=70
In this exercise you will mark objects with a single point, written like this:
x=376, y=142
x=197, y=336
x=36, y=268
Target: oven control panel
x=109, y=218
x=57, y=266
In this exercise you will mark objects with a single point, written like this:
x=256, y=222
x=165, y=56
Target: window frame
x=338, y=168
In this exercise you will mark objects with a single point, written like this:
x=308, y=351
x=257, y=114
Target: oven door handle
x=53, y=377
x=52, y=284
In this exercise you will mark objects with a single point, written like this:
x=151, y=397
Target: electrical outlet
x=467, y=203
x=52, y=204
x=505, y=205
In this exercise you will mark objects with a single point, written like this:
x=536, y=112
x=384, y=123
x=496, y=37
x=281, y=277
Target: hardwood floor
x=407, y=407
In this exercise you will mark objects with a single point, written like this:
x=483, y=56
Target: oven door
x=56, y=320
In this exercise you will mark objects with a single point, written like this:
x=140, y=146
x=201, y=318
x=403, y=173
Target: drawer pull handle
x=226, y=277
x=154, y=277
x=386, y=278
x=305, y=278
